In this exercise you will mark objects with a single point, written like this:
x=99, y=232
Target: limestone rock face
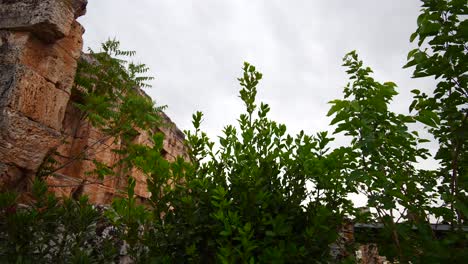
x=40, y=45
x=49, y=20
x=24, y=142
x=79, y=7
x=55, y=63
x=31, y=88
x=40, y=42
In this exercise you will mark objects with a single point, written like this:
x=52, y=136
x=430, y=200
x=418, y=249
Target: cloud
x=196, y=50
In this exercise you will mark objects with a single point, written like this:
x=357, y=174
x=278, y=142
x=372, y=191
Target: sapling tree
x=385, y=153
x=107, y=94
x=442, y=36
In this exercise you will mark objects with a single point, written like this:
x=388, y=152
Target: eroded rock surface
x=40, y=45
x=48, y=20
x=40, y=42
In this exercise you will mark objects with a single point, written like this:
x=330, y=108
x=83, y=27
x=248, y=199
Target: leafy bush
x=249, y=202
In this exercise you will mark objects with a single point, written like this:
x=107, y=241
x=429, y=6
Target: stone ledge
x=49, y=20
x=24, y=142
x=55, y=62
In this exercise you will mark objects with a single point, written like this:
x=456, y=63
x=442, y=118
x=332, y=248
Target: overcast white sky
x=195, y=50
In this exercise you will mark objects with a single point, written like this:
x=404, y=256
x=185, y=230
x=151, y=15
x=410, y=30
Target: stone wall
x=40, y=45
x=84, y=143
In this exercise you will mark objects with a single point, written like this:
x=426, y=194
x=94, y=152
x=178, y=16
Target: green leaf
x=337, y=105
x=412, y=38
x=415, y=91
x=428, y=118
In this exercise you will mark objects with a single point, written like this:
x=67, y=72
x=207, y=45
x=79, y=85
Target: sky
x=196, y=49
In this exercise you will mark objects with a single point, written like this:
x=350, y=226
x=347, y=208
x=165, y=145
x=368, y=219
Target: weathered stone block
x=29, y=93
x=49, y=20
x=55, y=62
x=79, y=7
x=73, y=42
x=24, y=142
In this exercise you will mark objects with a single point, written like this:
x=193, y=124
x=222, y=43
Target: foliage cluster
x=51, y=230
x=262, y=195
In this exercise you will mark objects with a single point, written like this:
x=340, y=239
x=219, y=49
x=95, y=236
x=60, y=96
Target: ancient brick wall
x=40, y=42
x=40, y=45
